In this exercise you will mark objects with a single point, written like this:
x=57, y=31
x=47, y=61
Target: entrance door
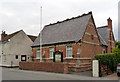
x=23, y=57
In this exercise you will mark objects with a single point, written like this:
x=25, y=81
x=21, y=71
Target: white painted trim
x=66, y=51
x=69, y=57
x=91, y=43
x=50, y=58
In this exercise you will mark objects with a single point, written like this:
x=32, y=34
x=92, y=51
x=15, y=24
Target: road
x=16, y=74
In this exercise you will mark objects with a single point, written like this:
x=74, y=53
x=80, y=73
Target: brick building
x=107, y=37
x=78, y=39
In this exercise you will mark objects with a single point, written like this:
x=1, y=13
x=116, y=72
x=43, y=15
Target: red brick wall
x=87, y=50
x=34, y=52
x=43, y=66
x=111, y=43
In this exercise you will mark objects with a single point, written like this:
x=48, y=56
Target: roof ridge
x=15, y=32
x=69, y=19
x=11, y=35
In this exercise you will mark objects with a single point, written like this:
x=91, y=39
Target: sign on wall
x=58, y=56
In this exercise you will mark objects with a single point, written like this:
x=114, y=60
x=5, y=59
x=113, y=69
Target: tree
x=117, y=44
x=116, y=51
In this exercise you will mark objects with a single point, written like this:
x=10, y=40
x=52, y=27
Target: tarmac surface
x=16, y=74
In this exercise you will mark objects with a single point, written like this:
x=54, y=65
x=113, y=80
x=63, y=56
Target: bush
x=116, y=51
x=108, y=59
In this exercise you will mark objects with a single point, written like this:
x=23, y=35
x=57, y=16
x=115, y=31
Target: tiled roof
x=32, y=37
x=13, y=34
x=10, y=35
x=104, y=33
x=65, y=31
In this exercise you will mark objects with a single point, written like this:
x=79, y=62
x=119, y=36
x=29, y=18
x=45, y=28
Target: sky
x=25, y=14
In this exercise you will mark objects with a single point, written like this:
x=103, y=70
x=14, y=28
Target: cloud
x=25, y=14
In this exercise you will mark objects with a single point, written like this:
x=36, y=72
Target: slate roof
x=104, y=33
x=10, y=35
x=32, y=37
x=65, y=31
x=13, y=34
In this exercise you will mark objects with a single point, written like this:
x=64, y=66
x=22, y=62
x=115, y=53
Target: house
x=78, y=39
x=107, y=37
x=15, y=47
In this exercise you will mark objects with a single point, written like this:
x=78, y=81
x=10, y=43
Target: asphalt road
x=16, y=74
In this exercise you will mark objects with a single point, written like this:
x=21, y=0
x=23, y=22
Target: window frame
x=50, y=50
x=67, y=51
x=92, y=37
x=38, y=50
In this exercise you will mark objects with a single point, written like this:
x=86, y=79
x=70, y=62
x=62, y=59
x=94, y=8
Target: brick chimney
x=109, y=23
x=3, y=35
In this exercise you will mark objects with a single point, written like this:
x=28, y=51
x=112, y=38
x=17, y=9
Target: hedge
x=108, y=59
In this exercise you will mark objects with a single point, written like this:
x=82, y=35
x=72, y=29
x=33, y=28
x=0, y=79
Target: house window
x=104, y=51
x=92, y=37
x=4, y=58
x=69, y=51
x=16, y=57
x=111, y=50
x=5, y=45
x=51, y=51
x=38, y=53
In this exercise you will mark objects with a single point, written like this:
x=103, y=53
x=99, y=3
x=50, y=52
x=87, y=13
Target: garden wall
x=44, y=66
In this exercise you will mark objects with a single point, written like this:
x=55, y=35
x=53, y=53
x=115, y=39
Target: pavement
x=16, y=74
x=113, y=76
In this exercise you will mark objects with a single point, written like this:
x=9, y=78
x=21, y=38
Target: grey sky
x=25, y=14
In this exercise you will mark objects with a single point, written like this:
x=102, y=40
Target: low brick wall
x=44, y=66
x=105, y=71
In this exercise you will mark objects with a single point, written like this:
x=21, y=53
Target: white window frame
x=38, y=51
x=67, y=50
x=4, y=58
x=51, y=49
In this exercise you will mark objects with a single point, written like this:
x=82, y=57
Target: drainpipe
x=11, y=64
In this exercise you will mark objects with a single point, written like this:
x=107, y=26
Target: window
x=111, y=50
x=4, y=58
x=69, y=51
x=16, y=57
x=38, y=53
x=92, y=37
x=104, y=51
x=23, y=57
x=5, y=45
x=51, y=51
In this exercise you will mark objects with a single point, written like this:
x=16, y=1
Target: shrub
x=116, y=51
x=109, y=59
